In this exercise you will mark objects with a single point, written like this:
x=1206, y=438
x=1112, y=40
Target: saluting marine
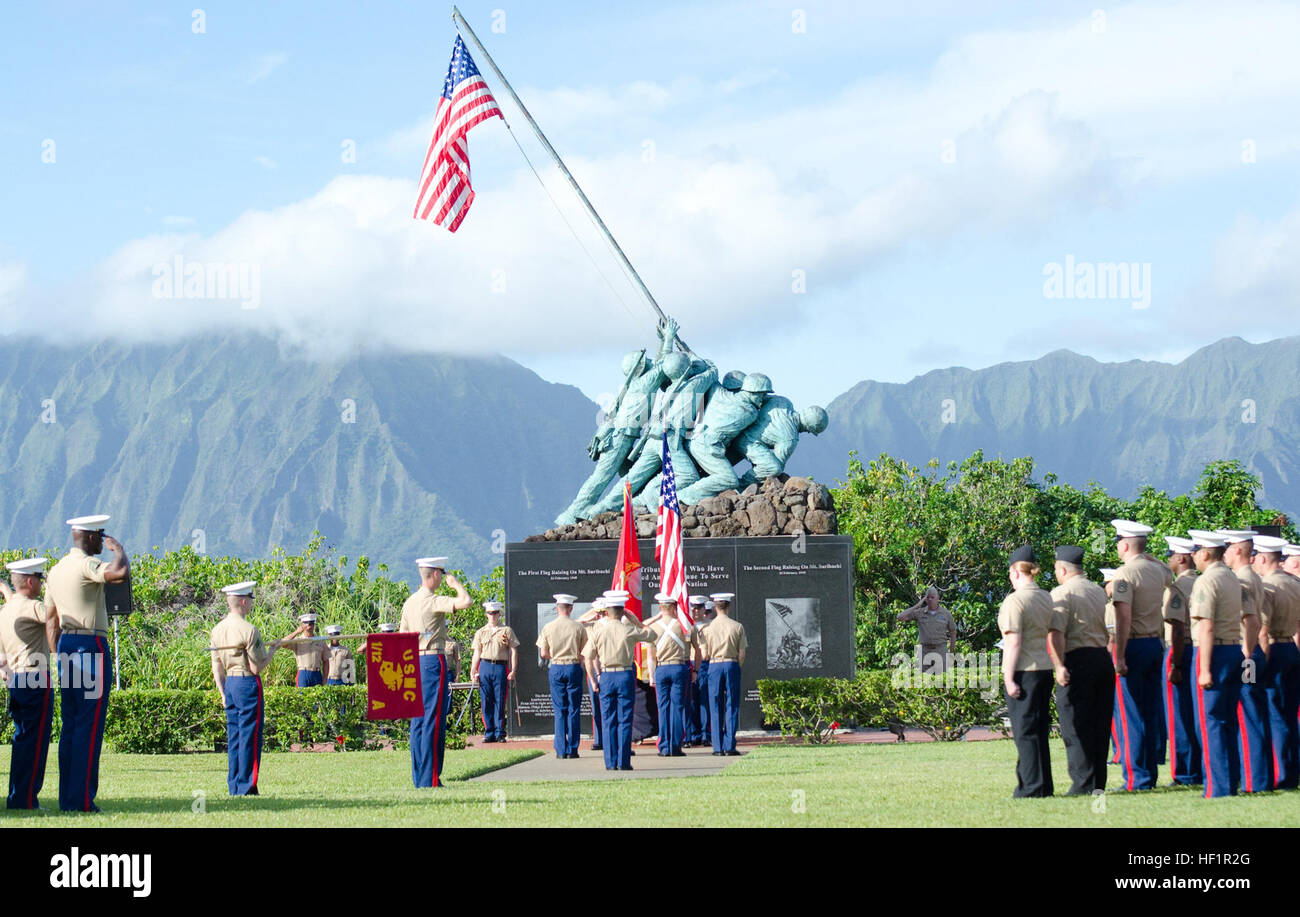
x=1085, y=675
x=561, y=643
x=724, y=643
x=613, y=642
x=237, y=664
x=936, y=631
x=496, y=658
x=425, y=613
x=310, y=656
x=673, y=653
x=27, y=631
x=1186, y=759
x=75, y=589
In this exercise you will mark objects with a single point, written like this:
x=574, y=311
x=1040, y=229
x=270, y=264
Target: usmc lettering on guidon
x=103, y=870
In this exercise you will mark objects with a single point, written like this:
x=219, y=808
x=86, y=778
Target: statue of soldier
x=614, y=441
x=675, y=414
x=726, y=415
x=771, y=439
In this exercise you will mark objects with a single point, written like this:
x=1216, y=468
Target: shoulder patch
x=1121, y=587
x=1176, y=600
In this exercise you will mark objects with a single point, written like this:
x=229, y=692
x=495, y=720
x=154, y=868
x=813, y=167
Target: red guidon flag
x=627, y=569
x=393, y=677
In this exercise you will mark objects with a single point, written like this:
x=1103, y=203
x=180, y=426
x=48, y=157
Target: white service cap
x=1179, y=545
x=308, y=618
x=1269, y=544
x=1126, y=528
x=88, y=523
x=1205, y=539
x=617, y=597
x=388, y=627
x=432, y=563
x=723, y=596
x=664, y=598
x=1235, y=536
x=598, y=602
x=493, y=606
x=244, y=588
x=334, y=629
x=1291, y=550
x=563, y=598
x=698, y=600
x=28, y=566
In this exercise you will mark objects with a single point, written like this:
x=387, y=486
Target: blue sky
x=920, y=165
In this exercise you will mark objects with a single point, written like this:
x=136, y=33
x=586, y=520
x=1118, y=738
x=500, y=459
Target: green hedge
x=810, y=708
x=163, y=721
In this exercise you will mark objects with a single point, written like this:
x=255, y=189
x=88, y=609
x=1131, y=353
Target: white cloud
x=266, y=162
x=266, y=64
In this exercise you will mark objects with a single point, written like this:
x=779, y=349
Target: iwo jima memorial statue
x=769, y=538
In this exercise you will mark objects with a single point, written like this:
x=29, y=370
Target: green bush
x=161, y=721
x=809, y=708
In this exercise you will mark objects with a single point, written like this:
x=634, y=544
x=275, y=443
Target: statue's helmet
x=757, y=382
x=733, y=380
x=676, y=364
x=813, y=419
x=635, y=361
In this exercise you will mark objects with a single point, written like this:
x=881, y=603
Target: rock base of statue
x=781, y=505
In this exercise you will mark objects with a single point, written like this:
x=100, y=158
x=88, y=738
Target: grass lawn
x=930, y=784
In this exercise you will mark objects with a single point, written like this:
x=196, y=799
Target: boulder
x=762, y=518
x=749, y=491
x=819, y=497
x=797, y=485
x=820, y=521
x=798, y=511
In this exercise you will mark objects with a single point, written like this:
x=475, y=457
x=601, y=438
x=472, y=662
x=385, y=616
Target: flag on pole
x=627, y=569
x=445, y=193
x=668, y=543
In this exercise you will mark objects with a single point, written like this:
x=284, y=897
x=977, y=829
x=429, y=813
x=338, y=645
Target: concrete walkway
x=590, y=765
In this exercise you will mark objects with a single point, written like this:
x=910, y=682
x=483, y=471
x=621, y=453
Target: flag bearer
x=1217, y=612
x=1138, y=592
x=1277, y=634
x=612, y=644
x=1253, y=735
x=724, y=644
x=236, y=668
x=75, y=587
x=561, y=642
x=310, y=656
x=425, y=613
x=1085, y=692
x=673, y=653
x=338, y=659
x=496, y=658
x=28, y=628
x=1185, y=755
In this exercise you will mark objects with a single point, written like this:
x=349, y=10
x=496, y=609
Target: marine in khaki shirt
x=724, y=640
x=337, y=667
x=242, y=650
x=1140, y=583
x=1028, y=611
x=75, y=586
x=562, y=641
x=1218, y=597
x=27, y=631
x=668, y=649
x=426, y=614
x=1178, y=601
x=613, y=642
x=309, y=657
x=1079, y=613
x=494, y=643
x=1283, y=604
x=935, y=627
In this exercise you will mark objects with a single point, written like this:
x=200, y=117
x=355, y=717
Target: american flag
x=668, y=543
x=445, y=192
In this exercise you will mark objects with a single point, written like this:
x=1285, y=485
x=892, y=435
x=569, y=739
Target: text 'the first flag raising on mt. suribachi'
x=668, y=543
x=445, y=193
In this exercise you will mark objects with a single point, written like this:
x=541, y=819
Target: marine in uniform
x=1185, y=755
x=27, y=631
x=1217, y=611
x=724, y=643
x=936, y=631
x=561, y=643
x=237, y=663
x=595, y=615
x=496, y=658
x=75, y=589
x=612, y=645
x=673, y=651
x=1291, y=559
x=339, y=667
x=1085, y=675
x=697, y=711
x=1024, y=618
x=425, y=613
x=1253, y=735
x=1138, y=592
x=1277, y=634
x=453, y=654
x=309, y=656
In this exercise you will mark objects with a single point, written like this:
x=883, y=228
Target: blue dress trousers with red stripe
x=1139, y=714
x=31, y=707
x=1254, y=739
x=1216, y=718
x=1283, y=708
x=492, y=684
x=1185, y=756
x=84, y=708
x=429, y=732
x=245, y=722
